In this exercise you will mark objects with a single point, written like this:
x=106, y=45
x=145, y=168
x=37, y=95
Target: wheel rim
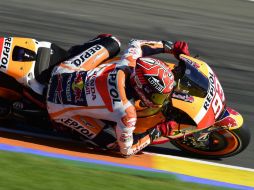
x=221, y=143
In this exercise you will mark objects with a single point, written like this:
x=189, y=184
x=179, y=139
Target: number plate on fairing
x=204, y=111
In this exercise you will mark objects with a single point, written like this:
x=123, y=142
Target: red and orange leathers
x=77, y=94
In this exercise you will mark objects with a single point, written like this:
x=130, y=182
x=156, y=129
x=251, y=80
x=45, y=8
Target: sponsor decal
x=1, y=46
x=125, y=137
x=68, y=88
x=86, y=123
x=86, y=55
x=211, y=91
x=77, y=87
x=215, y=96
x=227, y=121
x=59, y=89
x=90, y=85
x=233, y=112
x=113, y=87
x=194, y=64
x=129, y=122
x=78, y=127
x=184, y=97
x=156, y=84
x=142, y=146
x=5, y=54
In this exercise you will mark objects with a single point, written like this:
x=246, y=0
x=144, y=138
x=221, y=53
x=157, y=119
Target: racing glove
x=164, y=129
x=177, y=48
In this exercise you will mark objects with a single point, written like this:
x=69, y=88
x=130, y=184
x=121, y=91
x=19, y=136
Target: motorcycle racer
x=85, y=90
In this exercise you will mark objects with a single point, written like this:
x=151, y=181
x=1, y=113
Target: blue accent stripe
x=182, y=177
x=74, y=158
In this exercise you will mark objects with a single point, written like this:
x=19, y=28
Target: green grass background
x=20, y=171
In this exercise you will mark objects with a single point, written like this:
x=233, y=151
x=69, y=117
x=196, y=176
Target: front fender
x=231, y=119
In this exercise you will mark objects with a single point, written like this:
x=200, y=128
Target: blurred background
x=221, y=32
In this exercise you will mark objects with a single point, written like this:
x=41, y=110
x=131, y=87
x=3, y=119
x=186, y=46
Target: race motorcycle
x=207, y=127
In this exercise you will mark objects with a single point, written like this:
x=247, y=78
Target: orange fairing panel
x=191, y=108
x=145, y=123
x=203, y=111
x=15, y=69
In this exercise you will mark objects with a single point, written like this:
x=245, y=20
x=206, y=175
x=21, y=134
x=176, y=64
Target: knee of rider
x=104, y=36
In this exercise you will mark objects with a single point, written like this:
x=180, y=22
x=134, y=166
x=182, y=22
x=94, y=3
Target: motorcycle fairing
x=17, y=69
x=18, y=57
x=203, y=110
x=230, y=119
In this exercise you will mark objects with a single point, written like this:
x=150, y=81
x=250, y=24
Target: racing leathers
x=86, y=89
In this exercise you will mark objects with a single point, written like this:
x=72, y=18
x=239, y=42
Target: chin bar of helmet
x=144, y=99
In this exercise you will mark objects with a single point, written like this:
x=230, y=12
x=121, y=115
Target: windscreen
x=193, y=81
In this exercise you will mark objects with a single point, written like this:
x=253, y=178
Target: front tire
x=222, y=143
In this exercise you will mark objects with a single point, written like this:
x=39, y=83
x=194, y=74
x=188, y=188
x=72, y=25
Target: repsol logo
x=113, y=87
x=86, y=55
x=211, y=91
x=5, y=53
x=77, y=127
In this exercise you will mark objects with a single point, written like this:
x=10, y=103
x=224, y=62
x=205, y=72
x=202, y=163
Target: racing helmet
x=152, y=81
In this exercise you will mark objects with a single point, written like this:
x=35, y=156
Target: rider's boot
x=5, y=108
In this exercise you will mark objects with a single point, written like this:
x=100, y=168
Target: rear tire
x=5, y=108
x=228, y=143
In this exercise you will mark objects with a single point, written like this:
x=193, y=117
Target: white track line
x=202, y=161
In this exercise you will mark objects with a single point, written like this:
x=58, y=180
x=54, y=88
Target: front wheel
x=220, y=144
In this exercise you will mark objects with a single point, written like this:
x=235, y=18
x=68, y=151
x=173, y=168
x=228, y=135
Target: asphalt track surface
x=220, y=31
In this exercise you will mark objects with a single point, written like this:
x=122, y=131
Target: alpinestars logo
x=156, y=84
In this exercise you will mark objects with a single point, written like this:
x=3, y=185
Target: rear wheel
x=219, y=144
